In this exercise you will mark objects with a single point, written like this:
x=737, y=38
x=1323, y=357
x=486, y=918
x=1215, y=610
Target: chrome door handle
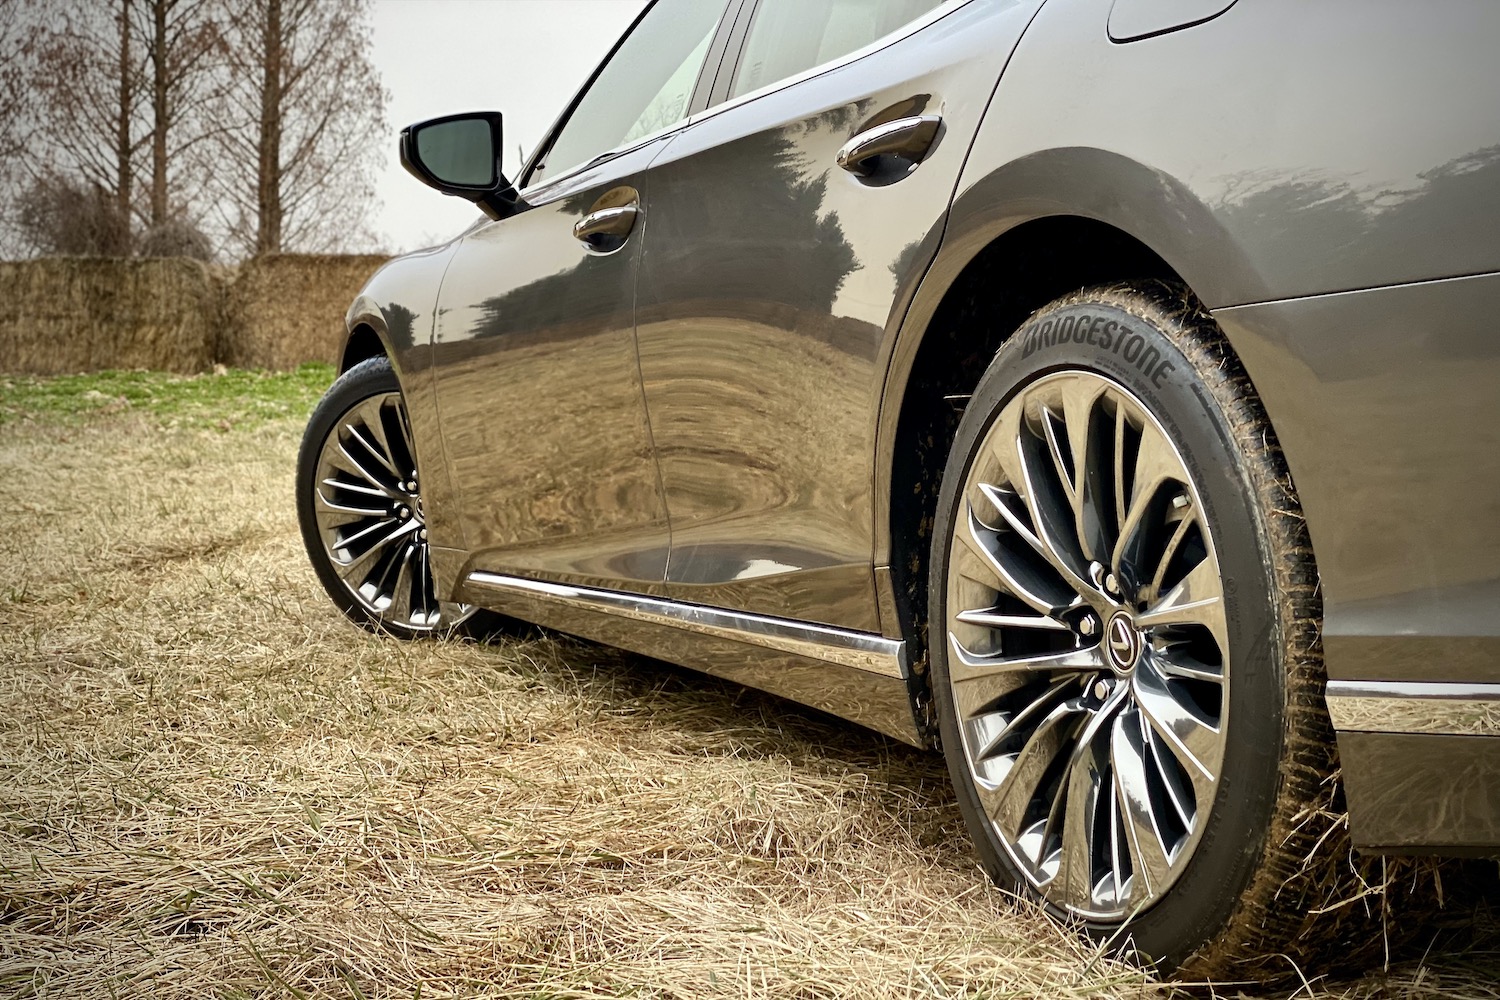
x=905, y=138
x=606, y=228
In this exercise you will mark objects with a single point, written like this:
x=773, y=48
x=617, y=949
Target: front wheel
x=359, y=502
x=1125, y=660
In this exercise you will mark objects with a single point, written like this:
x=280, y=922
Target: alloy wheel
x=1087, y=645
x=368, y=506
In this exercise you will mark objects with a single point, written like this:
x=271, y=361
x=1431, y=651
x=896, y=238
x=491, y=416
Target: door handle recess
x=606, y=228
x=905, y=138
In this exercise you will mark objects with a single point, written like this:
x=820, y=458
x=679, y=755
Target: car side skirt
x=1421, y=761
x=860, y=676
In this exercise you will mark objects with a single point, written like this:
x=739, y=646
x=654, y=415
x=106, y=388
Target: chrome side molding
x=1451, y=708
x=860, y=650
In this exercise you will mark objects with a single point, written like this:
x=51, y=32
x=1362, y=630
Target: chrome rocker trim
x=857, y=675
x=1450, y=708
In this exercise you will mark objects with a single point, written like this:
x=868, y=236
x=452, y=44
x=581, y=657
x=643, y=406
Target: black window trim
x=721, y=101
x=729, y=19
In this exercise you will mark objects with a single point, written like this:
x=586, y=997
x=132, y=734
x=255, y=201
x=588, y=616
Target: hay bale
x=75, y=314
x=285, y=309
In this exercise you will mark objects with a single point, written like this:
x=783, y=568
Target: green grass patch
x=222, y=400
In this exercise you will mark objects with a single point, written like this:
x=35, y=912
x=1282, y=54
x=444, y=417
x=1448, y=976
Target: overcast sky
x=525, y=58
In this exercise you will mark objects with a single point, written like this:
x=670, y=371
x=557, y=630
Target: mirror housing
x=459, y=155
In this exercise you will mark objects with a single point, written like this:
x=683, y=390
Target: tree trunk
x=159, y=112
x=268, y=181
x=124, y=172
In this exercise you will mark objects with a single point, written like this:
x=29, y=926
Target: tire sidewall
x=1138, y=347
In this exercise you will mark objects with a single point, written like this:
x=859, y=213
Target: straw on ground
x=211, y=785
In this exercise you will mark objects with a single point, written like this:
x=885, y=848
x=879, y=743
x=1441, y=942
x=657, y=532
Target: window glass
x=646, y=86
x=789, y=36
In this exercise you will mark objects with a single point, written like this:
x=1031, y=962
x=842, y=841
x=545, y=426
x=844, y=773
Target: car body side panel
x=1412, y=793
x=1387, y=404
x=1245, y=150
x=770, y=279
x=539, y=394
x=399, y=305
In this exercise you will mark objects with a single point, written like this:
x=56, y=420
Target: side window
x=789, y=36
x=644, y=87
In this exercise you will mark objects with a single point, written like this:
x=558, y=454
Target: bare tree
x=183, y=40
x=86, y=118
x=307, y=108
x=18, y=36
x=121, y=89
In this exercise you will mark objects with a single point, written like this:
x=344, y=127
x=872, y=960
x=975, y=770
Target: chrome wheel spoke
x=1088, y=790
x=993, y=619
x=1149, y=860
x=332, y=514
x=1198, y=599
x=1051, y=515
x=1075, y=807
x=1009, y=803
x=1193, y=739
x=1156, y=464
x=1087, y=647
x=980, y=678
x=359, y=567
x=1015, y=578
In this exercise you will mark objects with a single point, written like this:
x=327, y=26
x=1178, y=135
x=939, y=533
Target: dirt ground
x=210, y=785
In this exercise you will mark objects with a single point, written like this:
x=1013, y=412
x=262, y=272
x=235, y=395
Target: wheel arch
x=361, y=343
x=983, y=299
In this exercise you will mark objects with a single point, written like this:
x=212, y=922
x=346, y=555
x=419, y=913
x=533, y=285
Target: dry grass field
x=212, y=786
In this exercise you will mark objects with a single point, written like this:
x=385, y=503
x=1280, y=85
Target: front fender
x=398, y=305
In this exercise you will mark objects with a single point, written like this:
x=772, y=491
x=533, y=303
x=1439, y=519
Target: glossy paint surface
x=398, y=304
x=769, y=280
x=539, y=395
x=1421, y=793
x=1387, y=403
x=1281, y=149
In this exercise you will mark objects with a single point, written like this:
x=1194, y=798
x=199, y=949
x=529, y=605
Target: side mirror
x=460, y=155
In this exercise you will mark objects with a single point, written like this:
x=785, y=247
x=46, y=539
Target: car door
x=538, y=387
x=773, y=278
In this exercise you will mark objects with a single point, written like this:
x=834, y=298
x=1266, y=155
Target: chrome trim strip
x=539, y=191
x=1454, y=708
x=860, y=650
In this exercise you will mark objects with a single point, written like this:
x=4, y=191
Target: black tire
x=369, y=380
x=1238, y=907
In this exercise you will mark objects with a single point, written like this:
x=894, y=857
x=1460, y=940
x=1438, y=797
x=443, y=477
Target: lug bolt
x=1087, y=625
x=422, y=534
x=1112, y=585
x=1101, y=689
x=403, y=513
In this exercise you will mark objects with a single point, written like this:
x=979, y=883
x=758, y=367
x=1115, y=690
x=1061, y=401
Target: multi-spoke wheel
x=1087, y=654
x=360, y=504
x=1120, y=607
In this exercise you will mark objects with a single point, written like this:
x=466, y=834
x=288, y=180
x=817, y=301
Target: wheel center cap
x=1122, y=642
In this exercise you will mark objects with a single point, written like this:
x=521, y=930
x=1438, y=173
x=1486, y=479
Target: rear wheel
x=1125, y=659
x=359, y=501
